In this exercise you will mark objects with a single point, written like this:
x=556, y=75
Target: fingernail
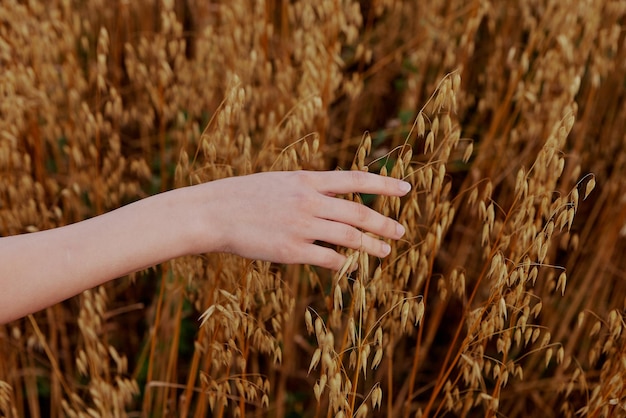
x=400, y=230
x=405, y=187
x=386, y=249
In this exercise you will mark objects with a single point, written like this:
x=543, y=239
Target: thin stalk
x=153, y=340
x=418, y=343
x=170, y=375
x=192, y=375
x=444, y=373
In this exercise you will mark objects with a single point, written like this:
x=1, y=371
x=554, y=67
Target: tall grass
x=506, y=297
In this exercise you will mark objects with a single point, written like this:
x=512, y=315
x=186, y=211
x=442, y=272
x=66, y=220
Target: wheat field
x=505, y=298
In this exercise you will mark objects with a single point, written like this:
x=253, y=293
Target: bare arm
x=270, y=216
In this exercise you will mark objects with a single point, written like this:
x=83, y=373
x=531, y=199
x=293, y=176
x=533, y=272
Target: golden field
x=507, y=295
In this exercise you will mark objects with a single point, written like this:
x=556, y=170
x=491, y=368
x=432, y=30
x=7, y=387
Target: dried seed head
x=548, y=357
x=421, y=126
x=419, y=314
x=469, y=150
x=591, y=184
x=378, y=355
x=338, y=298
x=404, y=315
x=560, y=285
x=377, y=397
x=317, y=354
x=308, y=321
x=430, y=143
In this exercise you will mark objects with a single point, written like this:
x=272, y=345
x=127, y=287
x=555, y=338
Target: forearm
x=39, y=269
x=275, y=217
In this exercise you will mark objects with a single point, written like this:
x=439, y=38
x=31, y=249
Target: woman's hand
x=278, y=216
x=270, y=216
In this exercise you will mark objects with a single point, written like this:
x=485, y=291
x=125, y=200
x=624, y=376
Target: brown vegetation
x=507, y=295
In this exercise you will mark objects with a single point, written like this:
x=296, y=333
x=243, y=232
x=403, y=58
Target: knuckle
x=328, y=260
x=300, y=176
x=288, y=253
x=332, y=260
x=305, y=201
x=353, y=236
x=359, y=178
x=362, y=213
x=389, y=226
x=305, y=224
x=304, y=179
x=282, y=253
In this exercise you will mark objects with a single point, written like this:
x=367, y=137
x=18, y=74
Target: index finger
x=341, y=182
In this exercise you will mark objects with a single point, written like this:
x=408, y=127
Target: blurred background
x=507, y=296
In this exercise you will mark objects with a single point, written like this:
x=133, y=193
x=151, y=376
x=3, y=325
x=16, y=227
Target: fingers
x=340, y=182
x=335, y=221
x=342, y=220
x=359, y=216
x=323, y=257
x=344, y=236
x=347, y=236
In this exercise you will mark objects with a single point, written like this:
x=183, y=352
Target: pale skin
x=276, y=216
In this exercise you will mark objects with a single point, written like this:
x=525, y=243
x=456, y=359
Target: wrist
x=200, y=219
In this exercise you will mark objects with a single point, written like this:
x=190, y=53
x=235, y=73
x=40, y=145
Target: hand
x=278, y=216
x=270, y=216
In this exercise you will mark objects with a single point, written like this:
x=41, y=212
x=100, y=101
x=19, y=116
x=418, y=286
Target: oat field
x=505, y=298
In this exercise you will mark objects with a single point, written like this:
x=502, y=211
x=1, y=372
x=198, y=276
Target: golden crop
x=507, y=295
